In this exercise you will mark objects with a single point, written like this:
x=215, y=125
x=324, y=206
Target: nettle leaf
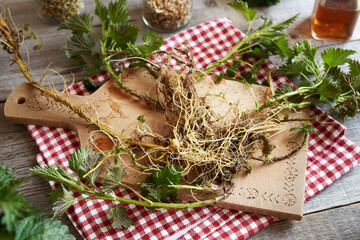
x=79, y=23
x=248, y=13
x=329, y=92
x=283, y=47
x=285, y=24
x=309, y=50
x=91, y=85
x=306, y=128
x=349, y=108
x=354, y=66
x=261, y=3
x=76, y=159
x=112, y=179
x=285, y=88
x=49, y=173
x=89, y=164
x=120, y=217
x=155, y=187
x=79, y=44
x=14, y=206
x=92, y=64
x=168, y=175
x=39, y=228
x=152, y=42
x=123, y=34
x=336, y=57
x=6, y=176
x=118, y=11
x=101, y=11
x=63, y=203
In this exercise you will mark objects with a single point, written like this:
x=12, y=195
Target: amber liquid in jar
x=333, y=23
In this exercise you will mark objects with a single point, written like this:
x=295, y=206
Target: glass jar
x=334, y=19
x=167, y=16
x=56, y=11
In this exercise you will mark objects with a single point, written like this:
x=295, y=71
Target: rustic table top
x=332, y=214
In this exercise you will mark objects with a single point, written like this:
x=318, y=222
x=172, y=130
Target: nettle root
x=210, y=149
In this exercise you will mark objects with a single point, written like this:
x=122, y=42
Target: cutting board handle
x=27, y=105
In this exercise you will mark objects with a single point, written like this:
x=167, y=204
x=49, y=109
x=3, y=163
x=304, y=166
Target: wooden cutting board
x=275, y=189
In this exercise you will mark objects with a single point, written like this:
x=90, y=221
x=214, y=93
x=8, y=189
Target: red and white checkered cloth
x=330, y=156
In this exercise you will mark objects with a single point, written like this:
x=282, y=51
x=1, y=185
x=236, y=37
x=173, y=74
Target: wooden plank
x=338, y=223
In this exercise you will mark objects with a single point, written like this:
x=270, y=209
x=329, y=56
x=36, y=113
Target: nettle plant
x=201, y=141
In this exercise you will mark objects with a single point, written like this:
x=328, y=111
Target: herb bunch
x=94, y=51
x=19, y=220
x=159, y=190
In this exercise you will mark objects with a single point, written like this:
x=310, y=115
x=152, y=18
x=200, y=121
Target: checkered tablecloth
x=330, y=156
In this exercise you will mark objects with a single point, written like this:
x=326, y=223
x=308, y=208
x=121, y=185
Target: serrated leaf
x=309, y=50
x=151, y=42
x=123, y=34
x=306, y=128
x=89, y=164
x=120, y=217
x=336, y=57
x=283, y=47
x=92, y=64
x=63, y=203
x=168, y=175
x=285, y=24
x=79, y=44
x=248, y=13
x=6, y=176
x=55, y=194
x=285, y=88
x=101, y=11
x=49, y=173
x=39, y=228
x=79, y=23
x=91, y=85
x=14, y=206
x=76, y=159
x=261, y=3
x=328, y=92
x=112, y=179
x=354, y=66
x=118, y=11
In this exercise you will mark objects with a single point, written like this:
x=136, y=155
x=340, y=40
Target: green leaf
x=354, y=66
x=91, y=85
x=79, y=23
x=112, y=179
x=151, y=42
x=55, y=194
x=118, y=11
x=101, y=11
x=93, y=63
x=329, y=92
x=285, y=24
x=261, y=3
x=76, y=159
x=123, y=34
x=336, y=57
x=283, y=47
x=168, y=175
x=248, y=13
x=120, y=217
x=6, y=176
x=79, y=44
x=285, y=88
x=306, y=128
x=49, y=173
x=63, y=203
x=14, y=206
x=309, y=50
x=39, y=228
x=88, y=164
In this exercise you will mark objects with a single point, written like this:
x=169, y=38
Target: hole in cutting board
x=21, y=100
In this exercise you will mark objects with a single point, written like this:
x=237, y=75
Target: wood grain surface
x=332, y=214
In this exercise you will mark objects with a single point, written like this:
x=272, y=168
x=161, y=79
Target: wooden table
x=332, y=214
